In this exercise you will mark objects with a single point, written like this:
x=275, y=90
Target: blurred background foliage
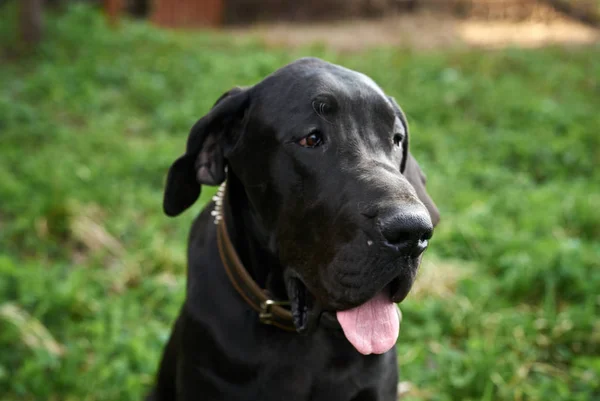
x=92, y=273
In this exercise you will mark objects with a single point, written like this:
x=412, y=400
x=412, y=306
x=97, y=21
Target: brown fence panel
x=187, y=13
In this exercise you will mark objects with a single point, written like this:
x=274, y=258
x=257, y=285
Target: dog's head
x=322, y=154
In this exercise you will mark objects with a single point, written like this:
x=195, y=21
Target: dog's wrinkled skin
x=303, y=219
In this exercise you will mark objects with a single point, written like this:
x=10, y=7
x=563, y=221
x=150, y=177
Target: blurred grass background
x=92, y=273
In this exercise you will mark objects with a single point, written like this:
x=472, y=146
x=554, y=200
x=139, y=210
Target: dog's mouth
x=371, y=327
x=399, y=289
x=305, y=311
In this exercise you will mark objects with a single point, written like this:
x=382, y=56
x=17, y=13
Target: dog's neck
x=251, y=240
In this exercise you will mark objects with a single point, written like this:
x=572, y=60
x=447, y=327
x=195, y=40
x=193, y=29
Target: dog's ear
x=203, y=162
x=412, y=171
x=417, y=179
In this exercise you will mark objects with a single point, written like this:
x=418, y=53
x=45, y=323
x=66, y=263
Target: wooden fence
x=190, y=13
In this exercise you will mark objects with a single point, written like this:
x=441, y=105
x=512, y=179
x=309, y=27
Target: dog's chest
x=267, y=364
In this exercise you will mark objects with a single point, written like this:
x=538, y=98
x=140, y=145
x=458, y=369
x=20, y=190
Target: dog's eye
x=398, y=139
x=312, y=140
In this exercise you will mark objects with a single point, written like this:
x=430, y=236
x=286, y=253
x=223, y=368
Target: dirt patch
x=527, y=34
x=425, y=31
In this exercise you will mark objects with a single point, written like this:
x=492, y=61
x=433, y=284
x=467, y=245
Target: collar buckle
x=266, y=314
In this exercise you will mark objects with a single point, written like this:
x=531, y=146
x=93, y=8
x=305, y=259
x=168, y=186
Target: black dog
x=324, y=207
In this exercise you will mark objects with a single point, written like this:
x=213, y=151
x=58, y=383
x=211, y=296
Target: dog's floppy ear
x=412, y=171
x=203, y=162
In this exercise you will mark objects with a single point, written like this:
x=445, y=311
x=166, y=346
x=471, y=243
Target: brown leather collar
x=270, y=311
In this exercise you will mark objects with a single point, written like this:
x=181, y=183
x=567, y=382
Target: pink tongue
x=373, y=326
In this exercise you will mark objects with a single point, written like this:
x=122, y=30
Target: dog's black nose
x=407, y=229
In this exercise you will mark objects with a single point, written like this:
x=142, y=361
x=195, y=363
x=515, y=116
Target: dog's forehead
x=342, y=81
x=354, y=83
x=308, y=78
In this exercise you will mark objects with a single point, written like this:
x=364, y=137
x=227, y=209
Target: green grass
x=92, y=272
